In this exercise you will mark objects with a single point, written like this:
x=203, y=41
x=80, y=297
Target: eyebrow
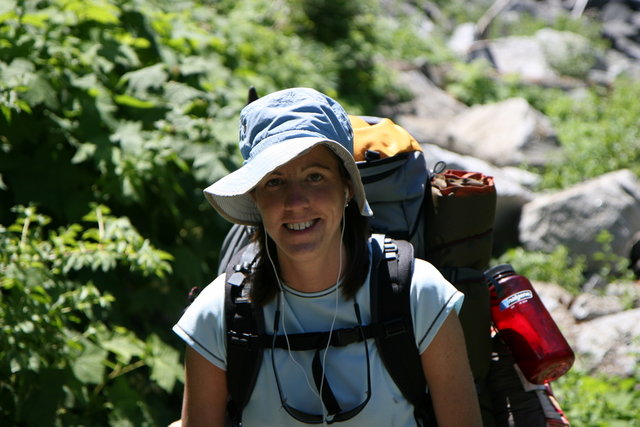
x=317, y=165
x=310, y=166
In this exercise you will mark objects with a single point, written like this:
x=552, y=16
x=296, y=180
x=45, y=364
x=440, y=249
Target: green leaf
x=124, y=346
x=6, y=112
x=165, y=364
x=181, y=93
x=129, y=406
x=130, y=101
x=41, y=92
x=129, y=135
x=97, y=10
x=84, y=152
x=89, y=367
x=144, y=79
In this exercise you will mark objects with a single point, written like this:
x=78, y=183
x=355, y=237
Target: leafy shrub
x=598, y=401
x=61, y=357
x=458, y=10
x=526, y=25
x=598, y=132
x=596, y=127
x=132, y=106
x=476, y=82
x=612, y=266
x=472, y=83
x=555, y=267
x=560, y=267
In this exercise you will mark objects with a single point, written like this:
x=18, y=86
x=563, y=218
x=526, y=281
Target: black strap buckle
x=394, y=327
x=239, y=339
x=344, y=337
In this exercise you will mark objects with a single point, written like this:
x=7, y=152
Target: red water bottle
x=539, y=348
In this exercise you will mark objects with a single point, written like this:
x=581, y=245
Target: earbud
x=346, y=197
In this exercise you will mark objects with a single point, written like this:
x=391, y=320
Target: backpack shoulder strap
x=244, y=326
x=237, y=238
x=390, y=307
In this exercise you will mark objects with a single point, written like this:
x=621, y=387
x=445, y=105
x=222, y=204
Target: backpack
x=443, y=216
x=397, y=183
x=447, y=215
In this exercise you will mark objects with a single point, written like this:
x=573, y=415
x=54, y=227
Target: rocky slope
x=603, y=322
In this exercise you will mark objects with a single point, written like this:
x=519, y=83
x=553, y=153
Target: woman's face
x=302, y=205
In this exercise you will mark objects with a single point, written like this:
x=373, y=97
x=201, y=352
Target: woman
x=300, y=187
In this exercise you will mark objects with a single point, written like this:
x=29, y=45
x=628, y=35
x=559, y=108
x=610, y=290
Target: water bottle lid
x=499, y=270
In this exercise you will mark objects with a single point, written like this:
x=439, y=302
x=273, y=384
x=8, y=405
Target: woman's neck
x=314, y=275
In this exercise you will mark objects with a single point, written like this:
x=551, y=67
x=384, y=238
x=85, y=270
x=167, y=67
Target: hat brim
x=231, y=197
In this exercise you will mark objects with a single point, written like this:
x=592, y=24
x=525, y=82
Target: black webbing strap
x=328, y=397
x=456, y=275
x=245, y=322
x=390, y=289
x=339, y=337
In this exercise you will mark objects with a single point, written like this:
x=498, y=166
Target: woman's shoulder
x=210, y=298
x=426, y=269
x=426, y=277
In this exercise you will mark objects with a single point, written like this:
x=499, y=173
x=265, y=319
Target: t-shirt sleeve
x=432, y=299
x=202, y=326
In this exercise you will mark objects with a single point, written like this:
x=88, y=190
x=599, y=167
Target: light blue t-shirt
x=432, y=298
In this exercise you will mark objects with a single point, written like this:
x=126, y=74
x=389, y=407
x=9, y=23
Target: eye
x=315, y=177
x=273, y=182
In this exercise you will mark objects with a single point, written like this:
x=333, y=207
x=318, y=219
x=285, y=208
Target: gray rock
x=568, y=53
x=589, y=306
x=574, y=217
x=462, y=38
x=627, y=292
x=608, y=344
x=426, y=115
x=517, y=55
x=508, y=133
x=616, y=64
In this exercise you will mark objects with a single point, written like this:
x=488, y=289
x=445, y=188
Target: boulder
x=507, y=133
x=609, y=344
x=606, y=340
x=576, y=216
x=462, y=39
x=569, y=54
x=519, y=55
x=588, y=306
x=426, y=115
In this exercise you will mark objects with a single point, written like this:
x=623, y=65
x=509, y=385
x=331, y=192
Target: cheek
x=263, y=203
x=329, y=197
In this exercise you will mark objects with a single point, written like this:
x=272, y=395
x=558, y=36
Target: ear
x=348, y=191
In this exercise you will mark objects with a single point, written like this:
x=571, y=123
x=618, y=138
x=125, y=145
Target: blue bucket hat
x=274, y=130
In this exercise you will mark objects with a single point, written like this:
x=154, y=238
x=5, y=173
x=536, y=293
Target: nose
x=295, y=197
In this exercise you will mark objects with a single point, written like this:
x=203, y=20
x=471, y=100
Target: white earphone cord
x=333, y=321
x=280, y=307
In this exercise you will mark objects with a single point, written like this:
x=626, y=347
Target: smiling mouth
x=299, y=226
